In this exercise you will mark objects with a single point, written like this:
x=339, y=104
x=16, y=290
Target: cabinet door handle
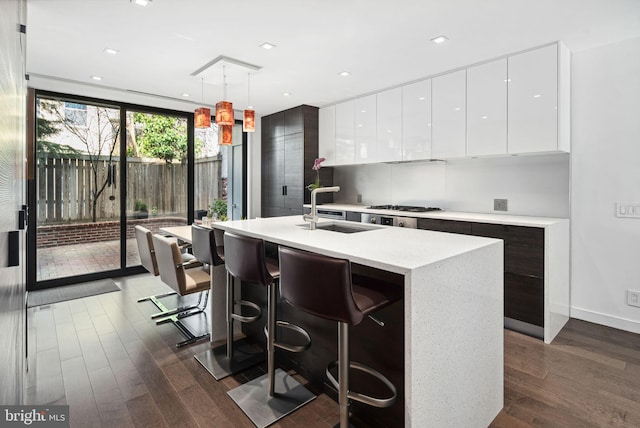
x=284, y=190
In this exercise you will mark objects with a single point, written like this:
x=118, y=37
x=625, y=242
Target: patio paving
x=79, y=259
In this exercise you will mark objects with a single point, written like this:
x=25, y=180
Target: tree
x=99, y=136
x=161, y=137
x=46, y=128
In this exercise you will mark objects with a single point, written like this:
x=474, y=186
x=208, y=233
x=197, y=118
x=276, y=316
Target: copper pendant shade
x=202, y=117
x=225, y=135
x=249, y=121
x=249, y=117
x=224, y=113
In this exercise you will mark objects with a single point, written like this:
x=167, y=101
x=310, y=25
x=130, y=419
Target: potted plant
x=140, y=209
x=218, y=210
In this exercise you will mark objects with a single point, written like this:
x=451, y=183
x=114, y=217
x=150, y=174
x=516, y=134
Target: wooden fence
x=65, y=188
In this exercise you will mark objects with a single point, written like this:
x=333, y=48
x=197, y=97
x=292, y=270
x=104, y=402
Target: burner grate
x=406, y=208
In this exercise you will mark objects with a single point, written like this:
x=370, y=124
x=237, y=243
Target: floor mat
x=70, y=292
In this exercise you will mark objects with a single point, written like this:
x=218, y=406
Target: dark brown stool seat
x=323, y=286
x=274, y=395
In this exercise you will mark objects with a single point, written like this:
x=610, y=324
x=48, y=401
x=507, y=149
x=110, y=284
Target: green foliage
x=46, y=128
x=56, y=150
x=138, y=205
x=161, y=137
x=218, y=209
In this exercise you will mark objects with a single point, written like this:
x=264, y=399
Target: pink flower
x=316, y=164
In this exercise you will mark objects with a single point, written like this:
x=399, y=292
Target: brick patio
x=79, y=259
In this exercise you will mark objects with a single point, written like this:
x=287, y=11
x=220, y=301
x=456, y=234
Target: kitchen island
x=453, y=304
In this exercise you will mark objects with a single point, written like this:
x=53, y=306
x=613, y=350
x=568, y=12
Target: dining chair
x=183, y=281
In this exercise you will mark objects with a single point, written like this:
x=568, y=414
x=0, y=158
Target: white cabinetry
x=345, y=133
x=416, y=121
x=449, y=115
x=487, y=109
x=365, y=129
x=389, y=108
x=513, y=105
x=536, y=107
x=327, y=135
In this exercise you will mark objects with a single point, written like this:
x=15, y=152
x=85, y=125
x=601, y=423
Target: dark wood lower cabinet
x=523, y=264
x=524, y=298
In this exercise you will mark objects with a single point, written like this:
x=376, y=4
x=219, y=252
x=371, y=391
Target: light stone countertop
x=394, y=249
x=513, y=220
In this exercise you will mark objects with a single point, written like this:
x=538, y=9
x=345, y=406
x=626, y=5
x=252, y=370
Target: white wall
x=533, y=185
x=407, y=184
x=605, y=164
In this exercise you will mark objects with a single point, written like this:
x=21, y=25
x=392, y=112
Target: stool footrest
x=292, y=327
x=366, y=399
x=243, y=318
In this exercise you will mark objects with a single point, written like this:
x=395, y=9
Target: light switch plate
x=628, y=209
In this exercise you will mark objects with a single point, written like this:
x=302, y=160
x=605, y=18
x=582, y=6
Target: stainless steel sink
x=341, y=227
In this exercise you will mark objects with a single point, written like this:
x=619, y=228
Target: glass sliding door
x=102, y=167
x=77, y=197
x=156, y=174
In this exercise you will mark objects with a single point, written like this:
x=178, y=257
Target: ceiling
x=381, y=43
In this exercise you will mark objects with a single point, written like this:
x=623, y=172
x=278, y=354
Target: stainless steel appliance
x=394, y=220
x=332, y=214
x=388, y=220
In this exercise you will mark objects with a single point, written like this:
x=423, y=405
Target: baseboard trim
x=604, y=319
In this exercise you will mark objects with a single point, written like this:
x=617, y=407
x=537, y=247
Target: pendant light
x=249, y=119
x=202, y=115
x=225, y=135
x=224, y=109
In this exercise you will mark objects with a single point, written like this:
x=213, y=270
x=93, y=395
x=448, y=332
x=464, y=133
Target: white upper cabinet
x=514, y=105
x=365, y=129
x=389, y=107
x=327, y=135
x=416, y=121
x=533, y=101
x=449, y=115
x=487, y=109
x=345, y=133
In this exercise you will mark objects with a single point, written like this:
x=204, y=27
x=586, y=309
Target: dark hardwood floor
x=114, y=367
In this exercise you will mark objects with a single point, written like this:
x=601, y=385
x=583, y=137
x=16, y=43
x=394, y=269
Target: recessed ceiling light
x=141, y=2
x=267, y=45
x=537, y=96
x=439, y=39
x=507, y=80
x=457, y=109
x=485, y=117
x=286, y=94
x=96, y=77
x=111, y=51
x=421, y=98
x=363, y=111
x=344, y=73
x=186, y=95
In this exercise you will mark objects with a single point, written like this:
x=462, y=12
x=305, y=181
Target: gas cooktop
x=407, y=208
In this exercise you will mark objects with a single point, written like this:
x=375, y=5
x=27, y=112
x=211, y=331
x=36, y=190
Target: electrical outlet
x=500, y=204
x=628, y=209
x=633, y=298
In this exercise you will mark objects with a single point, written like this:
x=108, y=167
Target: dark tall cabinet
x=289, y=149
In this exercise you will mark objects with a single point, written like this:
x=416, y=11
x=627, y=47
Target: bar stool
x=322, y=286
x=224, y=361
x=274, y=395
x=204, y=246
